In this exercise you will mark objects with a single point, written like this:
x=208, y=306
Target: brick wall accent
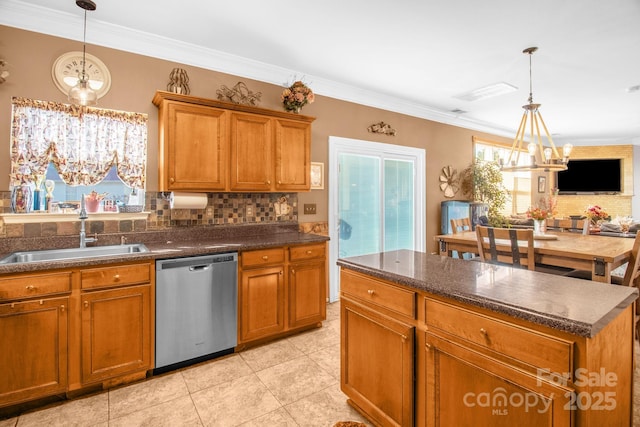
x=615, y=205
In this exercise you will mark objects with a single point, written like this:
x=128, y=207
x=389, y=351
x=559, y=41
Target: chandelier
x=81, y=93
x=549, y=156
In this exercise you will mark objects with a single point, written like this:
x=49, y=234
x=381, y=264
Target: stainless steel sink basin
x=73, y=253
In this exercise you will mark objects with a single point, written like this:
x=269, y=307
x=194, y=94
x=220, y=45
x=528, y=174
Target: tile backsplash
x=222, y=209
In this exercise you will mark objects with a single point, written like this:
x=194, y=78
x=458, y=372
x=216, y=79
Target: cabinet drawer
x=262, y=257
x=298, y=253
x=120, y=275
x=33, y=286
x=536, y=349
x=377, y=292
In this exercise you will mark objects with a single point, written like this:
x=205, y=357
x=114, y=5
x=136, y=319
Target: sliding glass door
x=376, y=200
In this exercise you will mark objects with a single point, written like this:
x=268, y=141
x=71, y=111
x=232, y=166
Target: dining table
x=598, y=254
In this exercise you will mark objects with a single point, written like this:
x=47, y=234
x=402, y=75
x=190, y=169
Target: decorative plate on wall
x=68, y=67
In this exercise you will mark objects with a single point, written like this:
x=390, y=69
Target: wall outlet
x=309, y=208
x=249, y=211
x=209, y=212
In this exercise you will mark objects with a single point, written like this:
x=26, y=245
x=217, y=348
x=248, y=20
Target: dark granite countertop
x=577, y=306
x=163, y=245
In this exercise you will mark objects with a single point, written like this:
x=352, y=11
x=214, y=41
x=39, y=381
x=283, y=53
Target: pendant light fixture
x=81, y=93
x=549, y=157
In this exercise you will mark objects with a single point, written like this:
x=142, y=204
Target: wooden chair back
x=573, y=225
x=460, y=224
x=506, y=246
x=632, y=278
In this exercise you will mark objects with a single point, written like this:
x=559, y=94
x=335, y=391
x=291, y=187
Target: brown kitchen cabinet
x=34, y=310
x=33, y=360
x=412, y=358
x=193, y=151
x=251, y=152
x=209, y=145
x=74, y=328
x=307, y=283
x=115, y=321
x=272, y=303
x=377, y=350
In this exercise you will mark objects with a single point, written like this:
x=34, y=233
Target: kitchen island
x=429, y=340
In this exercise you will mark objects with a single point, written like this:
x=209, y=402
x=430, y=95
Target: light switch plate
x=309, y=208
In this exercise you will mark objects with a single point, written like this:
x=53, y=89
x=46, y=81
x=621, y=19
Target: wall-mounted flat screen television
x=591, y=176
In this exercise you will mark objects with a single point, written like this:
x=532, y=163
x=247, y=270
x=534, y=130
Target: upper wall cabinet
x=209, y=145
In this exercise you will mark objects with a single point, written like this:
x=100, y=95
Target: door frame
x=338, y=145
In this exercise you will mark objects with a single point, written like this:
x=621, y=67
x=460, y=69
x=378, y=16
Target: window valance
x=82, y=142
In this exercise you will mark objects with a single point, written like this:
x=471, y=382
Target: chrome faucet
x=83, y=235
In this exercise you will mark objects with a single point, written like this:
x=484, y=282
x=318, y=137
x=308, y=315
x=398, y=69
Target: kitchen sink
x=73, y=253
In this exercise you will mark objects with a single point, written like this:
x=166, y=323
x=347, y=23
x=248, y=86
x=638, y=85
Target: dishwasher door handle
x=200, y=267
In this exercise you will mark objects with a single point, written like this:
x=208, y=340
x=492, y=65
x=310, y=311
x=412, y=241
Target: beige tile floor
x=291, y=382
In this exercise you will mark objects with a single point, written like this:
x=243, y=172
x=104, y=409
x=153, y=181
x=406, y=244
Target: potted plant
x=482, y=182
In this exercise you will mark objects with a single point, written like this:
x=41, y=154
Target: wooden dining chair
x=571, y=225
x=506, y=246
x=460, y=224
x=632, y=278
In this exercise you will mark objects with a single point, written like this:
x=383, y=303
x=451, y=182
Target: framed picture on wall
x=542, y=184
x=317, y=176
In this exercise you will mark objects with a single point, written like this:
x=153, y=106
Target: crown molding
x=15, y=13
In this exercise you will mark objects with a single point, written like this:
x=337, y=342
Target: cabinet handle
x=172, y=180
x=116, y=278
x=483, y=331
x=370, y=291
x=279, y=182
x=293, y=271
x=265, y=257
x=31, y=288
x=86, y=304
x=428, y=346
x=309, y=252
x=269, y=181
x=62, y=308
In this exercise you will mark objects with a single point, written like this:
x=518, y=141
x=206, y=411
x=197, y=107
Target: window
x=78, y=149
x=518, y=183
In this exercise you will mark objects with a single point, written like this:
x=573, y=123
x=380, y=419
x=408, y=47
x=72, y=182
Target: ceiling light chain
x=81, y=93
x=549, y=155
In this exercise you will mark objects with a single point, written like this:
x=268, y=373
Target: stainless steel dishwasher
x=196, y=309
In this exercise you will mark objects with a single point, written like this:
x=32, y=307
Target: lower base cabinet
x=466, y=388
x=377, y=365
x=115, y=332
x=409, y=358
x=282, y=290
x=33, y=355
x=62, y=331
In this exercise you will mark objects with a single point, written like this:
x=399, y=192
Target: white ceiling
x=409, y=56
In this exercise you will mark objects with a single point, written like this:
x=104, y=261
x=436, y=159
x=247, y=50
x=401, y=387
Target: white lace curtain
x=82, y=142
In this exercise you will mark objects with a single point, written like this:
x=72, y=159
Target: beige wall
x=135, y=79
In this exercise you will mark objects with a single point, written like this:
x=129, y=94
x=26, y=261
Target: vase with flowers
x=596, y=216
x=545, y=209
x=92, y=201
x=297, y=96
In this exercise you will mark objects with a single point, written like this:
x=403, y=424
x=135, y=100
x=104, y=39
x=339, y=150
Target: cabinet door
x=307, y=293
x=116, y=332
x=262, y=303
x=251, y=153
x=33, y=359
x=195, y=147
x=292, y=156
x=377, y=364
x=467, y=388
